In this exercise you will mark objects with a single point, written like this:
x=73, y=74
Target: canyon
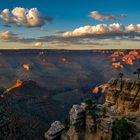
x=38, y=87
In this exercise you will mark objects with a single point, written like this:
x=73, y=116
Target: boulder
x=55, y=131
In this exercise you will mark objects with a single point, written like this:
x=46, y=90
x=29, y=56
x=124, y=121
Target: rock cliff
x=123, y=95
x=91, y=121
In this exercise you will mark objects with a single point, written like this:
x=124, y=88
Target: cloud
x=123, y=15
x=5, y=15
x=98, y=29
x=59, y=31
x=86, y=35
x=6, y=25
x=135, y=28
x=38, y=44
x=99, y=16
x=105, y=30
x=24, y=17
x=7, y=36
x=98, y=35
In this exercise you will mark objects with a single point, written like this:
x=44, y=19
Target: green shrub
x=89, y=104
x=93, y=114
x=121, y=130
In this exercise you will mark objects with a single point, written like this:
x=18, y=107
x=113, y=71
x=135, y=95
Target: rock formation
x=55, y=131
x=123, y=95
x=90, y=121
x=77, y=116
x=77, y=122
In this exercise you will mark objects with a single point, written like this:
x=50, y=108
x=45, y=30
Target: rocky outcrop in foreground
x=54, y=131
x=82, y=126
x=91, y=121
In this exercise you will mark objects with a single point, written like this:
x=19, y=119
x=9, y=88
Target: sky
x=69, y=24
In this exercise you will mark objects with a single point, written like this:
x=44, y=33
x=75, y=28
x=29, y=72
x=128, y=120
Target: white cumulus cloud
x=135, y=28
x=99, y=29
x=24, y=17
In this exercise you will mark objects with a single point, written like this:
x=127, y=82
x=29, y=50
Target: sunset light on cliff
x=101, y=88
x=16, y=85
x=26, y=67
x=120, y=58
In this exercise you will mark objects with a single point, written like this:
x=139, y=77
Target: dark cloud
x=6, y=25
x=59, y=32
x=81, y=40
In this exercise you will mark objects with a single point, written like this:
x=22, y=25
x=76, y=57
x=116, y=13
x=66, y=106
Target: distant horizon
x=82, y=50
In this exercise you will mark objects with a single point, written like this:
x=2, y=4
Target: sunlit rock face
x=101, y=88
x=117, y=65
x=16, y=85
x=26, y=67
x=121, y=58
x=123, y=95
